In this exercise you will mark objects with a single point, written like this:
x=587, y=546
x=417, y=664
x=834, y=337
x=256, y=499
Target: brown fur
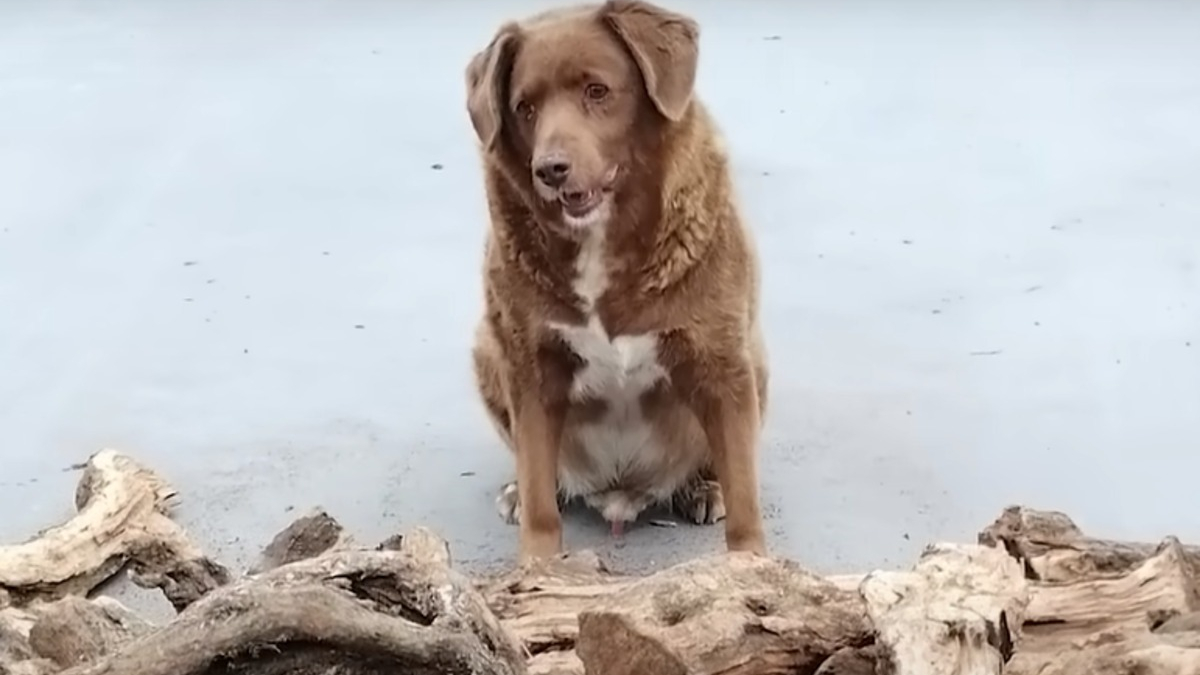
x=680, y=267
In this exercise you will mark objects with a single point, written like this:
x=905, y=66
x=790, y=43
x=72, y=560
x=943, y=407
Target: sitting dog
x=619, y=355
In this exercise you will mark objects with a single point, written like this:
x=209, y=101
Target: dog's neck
x=662, y=223
x=696, y=200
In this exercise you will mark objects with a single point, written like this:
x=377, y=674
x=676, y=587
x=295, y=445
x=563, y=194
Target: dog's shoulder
x=702, y=235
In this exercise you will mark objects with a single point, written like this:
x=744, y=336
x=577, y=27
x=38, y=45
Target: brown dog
x=619, y=354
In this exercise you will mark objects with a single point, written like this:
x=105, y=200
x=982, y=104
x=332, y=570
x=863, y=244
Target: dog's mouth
x=579, y=203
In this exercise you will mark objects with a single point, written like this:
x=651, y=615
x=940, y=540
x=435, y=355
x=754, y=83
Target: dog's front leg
x=731, y=422
x=538, y=433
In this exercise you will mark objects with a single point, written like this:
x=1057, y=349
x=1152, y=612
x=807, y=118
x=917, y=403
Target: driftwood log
x=1100, y=606
x=735, y=613
x=1034, y=596
x=955, y=612
x=354, y=612
x=121, y=517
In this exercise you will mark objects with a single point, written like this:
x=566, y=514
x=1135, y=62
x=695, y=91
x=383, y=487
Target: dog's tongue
x=618, y=528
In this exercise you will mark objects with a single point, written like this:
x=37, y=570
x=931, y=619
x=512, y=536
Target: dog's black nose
x=552, y=171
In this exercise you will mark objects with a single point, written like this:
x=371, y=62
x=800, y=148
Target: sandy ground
x=240, y=240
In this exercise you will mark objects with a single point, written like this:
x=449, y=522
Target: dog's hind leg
x=508, y=503
x=489, y=380
x=490, y=383
x=700, y=500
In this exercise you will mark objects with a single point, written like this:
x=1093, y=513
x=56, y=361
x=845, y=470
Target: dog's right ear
x=487, y=84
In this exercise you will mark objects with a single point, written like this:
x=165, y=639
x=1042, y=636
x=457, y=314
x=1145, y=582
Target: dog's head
x=571, y=95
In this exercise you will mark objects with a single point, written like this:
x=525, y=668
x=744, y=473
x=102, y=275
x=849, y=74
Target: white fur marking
x=617, y=371
x=591, y=271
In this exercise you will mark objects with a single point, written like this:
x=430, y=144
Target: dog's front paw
x=508, y=503
x=701, y=502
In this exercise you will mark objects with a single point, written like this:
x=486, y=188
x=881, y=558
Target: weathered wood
x=117, y=501
x=734, y=613
x=873, y=659
x=422, y=544
x=1098, y=605
x=306, y=537
x=1072, y=627
x=555, y=663
x=958, y=612
x=15, y=652
x=540, y=605
x=44, y=638
x=1180, y=623
x=1038, y=598
x=74, y=631
x=1052, y=548
x=980, y=595
x=172, y=564
x=361, y=612
x=1173, y=655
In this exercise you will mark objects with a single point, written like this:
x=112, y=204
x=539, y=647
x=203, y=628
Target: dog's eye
x=596, y=91
x=524, y=109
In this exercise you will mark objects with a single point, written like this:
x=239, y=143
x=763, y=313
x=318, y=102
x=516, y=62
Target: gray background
x=225, y=249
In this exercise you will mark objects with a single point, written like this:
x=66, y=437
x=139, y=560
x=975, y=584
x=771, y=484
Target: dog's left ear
x=487, y=84
x=666, y=47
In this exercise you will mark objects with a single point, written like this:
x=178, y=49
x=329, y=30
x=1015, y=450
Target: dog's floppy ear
x=666, y=47
x=487, y=84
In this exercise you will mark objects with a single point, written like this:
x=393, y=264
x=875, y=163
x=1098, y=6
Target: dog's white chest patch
x=616, y=370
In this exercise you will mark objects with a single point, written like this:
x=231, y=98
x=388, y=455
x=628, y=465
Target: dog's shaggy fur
x=619, y=354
